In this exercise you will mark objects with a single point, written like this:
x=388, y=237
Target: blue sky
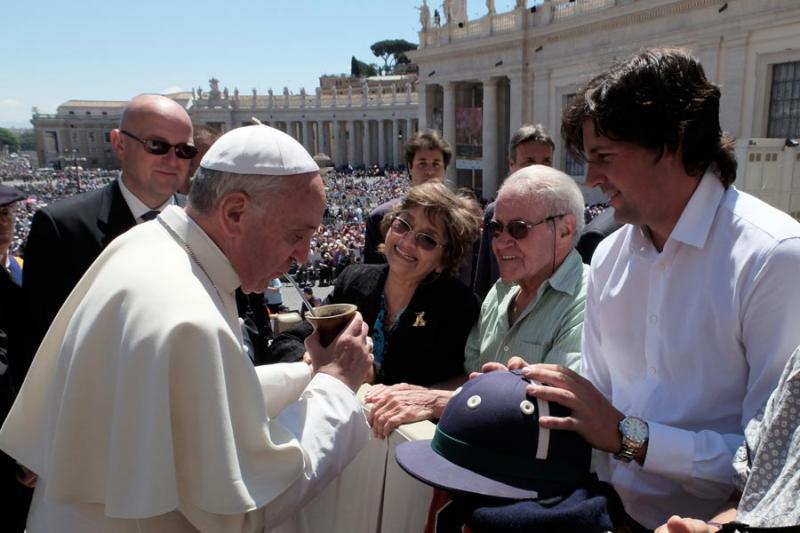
x=57, y=50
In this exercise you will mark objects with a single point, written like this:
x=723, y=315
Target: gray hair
x=557, y=192
x=209, y=186
x=529, y=133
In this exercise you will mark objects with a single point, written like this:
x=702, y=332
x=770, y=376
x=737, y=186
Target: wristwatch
x=635, y=433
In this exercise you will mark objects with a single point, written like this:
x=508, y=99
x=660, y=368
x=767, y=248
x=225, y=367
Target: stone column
x=490, y=166
x=338, y=154
x=519, y=112
x=732, y=78
x=322, y=139
x=541, y=102
x=308, y=138
x=351, y=142
x=397, y=158
x=367, y=144
x=381, y=143
x=422, y=105
x=449, y=127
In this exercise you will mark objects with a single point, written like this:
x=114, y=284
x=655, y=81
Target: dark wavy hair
x=428, y=140
x=659, y=99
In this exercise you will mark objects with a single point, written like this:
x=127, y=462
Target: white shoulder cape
x=141, y=398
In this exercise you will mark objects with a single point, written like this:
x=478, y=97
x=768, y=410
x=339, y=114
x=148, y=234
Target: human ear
x=231, y=212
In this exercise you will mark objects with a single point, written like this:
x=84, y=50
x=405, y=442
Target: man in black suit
x=154, y=144
x=595, y=231
x=16, y=497
x=530, y=145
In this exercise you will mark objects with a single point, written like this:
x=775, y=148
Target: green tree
x=392, y=52
x=359, y=69
x=10, y=139
x=27, y=141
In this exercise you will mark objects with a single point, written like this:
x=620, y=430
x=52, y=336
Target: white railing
x=563, y=9
x=546, y=13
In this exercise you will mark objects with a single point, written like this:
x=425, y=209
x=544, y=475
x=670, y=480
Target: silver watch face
x=634, y=429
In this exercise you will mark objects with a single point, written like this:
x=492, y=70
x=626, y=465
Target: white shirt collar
x=694, y=225
x=137, y=207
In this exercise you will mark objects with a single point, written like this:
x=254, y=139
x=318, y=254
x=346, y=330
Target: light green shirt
x=548, y=330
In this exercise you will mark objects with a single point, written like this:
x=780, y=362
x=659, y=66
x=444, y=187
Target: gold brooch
x=420, y=321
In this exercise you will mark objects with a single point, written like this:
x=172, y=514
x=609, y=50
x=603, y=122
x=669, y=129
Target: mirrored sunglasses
x=517, y=229
x=158, y=147
x=423, y=240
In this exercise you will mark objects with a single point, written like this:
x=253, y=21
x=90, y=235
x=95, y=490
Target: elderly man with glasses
x=534, y=311
x=154, y=145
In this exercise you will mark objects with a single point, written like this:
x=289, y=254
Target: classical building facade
x=479, y=80
x=354, y=121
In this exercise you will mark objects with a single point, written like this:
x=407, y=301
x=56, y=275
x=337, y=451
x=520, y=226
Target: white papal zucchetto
x=258, y=150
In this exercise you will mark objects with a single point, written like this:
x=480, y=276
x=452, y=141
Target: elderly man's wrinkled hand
x=514, y=363
x=348, y=358
x=400, y=404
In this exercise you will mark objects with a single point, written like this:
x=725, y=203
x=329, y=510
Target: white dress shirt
x=137, y=207
x=693, y=340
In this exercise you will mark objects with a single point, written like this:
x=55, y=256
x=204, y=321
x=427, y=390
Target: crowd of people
x=660, y=334
x=352, y=194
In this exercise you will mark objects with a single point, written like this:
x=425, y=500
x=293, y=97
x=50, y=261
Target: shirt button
x=505, y=348
x=653, y=319
x=652, y=370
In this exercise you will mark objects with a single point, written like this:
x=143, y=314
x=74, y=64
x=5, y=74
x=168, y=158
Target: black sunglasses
x=423, y=240
x=156, y=147
x=517, y=229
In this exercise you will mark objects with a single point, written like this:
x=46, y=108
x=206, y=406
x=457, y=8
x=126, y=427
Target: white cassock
x=142, y=412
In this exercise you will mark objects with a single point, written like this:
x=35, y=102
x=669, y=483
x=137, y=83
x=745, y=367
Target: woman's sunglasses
x=156, y=147
x=517, y=229
x=423, y=240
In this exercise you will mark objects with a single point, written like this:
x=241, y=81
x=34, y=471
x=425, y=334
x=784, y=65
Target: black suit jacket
x=65, y=239
x=427, y=345
x=595, y=231
x=16, y=497
x=373, y=236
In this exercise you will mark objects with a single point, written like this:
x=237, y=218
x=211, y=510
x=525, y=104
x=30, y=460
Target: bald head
x=152, y=178
x=148, y=107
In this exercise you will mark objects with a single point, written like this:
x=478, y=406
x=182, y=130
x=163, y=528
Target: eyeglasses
x=517, y=229
x=423, y=240
x=157, y=147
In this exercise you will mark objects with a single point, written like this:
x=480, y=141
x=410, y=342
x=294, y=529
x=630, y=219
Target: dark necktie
x=150, y=215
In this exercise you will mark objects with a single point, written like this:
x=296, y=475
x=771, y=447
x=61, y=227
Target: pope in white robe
x=142, y=411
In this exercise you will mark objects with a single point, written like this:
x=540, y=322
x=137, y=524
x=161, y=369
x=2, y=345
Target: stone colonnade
x=496, y=125
x=365, y=141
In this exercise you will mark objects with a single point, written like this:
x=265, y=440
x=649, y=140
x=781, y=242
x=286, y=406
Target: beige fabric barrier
x=372, y=495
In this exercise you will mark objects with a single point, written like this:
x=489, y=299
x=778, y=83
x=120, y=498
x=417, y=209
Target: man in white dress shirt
x=692, y=306
x=142, y=411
